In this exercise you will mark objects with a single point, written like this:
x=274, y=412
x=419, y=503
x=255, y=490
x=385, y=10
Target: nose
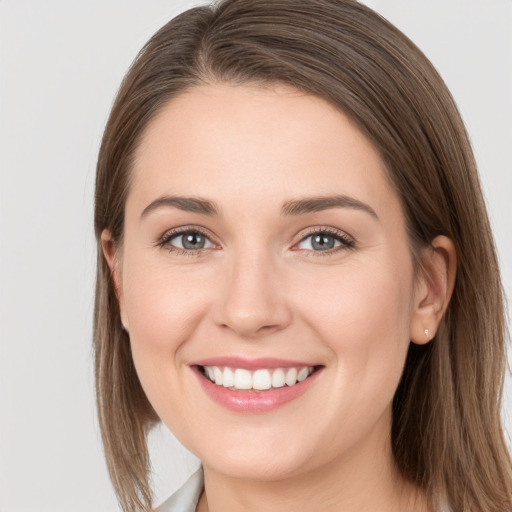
x=253, y=302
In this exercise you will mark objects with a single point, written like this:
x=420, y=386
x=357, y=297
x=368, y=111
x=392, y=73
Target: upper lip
x=251, y=364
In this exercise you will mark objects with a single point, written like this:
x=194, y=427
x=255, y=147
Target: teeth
x=228, y=378
x=291, y=377
x=243, y=379
x=261, y=380
x=278, y=378
x=217, y=372
x=303, y=374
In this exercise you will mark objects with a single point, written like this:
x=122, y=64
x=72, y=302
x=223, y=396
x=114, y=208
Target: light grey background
x=61, y=62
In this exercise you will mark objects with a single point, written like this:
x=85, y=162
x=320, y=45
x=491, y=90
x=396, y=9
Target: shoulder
x=185, y=499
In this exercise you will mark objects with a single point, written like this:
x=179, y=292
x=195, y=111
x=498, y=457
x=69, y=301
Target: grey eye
x=325, y=241
x=191, y=241
x=322, y=242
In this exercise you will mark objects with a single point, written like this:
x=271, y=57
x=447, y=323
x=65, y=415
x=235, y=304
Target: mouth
x=257, y=386
x=262, y=379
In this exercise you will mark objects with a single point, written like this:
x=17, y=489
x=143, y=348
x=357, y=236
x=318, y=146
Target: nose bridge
x=254, y=301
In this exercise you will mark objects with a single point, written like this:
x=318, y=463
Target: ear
x=112, y=258
x=434, y=289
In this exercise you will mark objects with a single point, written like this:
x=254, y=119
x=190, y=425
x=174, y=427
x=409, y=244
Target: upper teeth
x=240, y=378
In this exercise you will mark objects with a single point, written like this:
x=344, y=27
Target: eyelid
x=346, y=241
x=164, y=240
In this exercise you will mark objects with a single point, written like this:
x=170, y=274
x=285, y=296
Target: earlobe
x=434, y=289
x=112, y=258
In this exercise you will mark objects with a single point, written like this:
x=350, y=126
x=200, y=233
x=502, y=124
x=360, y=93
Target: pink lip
x=253, y=401
x=251, y=364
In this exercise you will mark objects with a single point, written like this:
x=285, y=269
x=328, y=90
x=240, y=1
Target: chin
x=264, y=469
x=255, y=461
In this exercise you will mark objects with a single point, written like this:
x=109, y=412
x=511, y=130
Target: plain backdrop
x=61, y=62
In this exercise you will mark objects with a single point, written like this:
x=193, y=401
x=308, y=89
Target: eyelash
x=346, y=242
x=165, y=241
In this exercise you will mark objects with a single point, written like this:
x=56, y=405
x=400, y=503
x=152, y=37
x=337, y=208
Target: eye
x=325, y=241
x=186, y=241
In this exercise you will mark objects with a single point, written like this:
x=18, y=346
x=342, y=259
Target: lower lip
x=254, y=401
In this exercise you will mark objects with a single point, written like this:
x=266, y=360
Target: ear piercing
x=429, y=334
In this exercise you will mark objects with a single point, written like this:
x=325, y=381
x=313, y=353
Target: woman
x=296, y=272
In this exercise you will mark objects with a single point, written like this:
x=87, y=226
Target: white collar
x=185, y=499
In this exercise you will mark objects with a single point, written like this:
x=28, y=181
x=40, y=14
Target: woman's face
x=263, y=243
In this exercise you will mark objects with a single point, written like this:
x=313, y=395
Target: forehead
x=247, y=142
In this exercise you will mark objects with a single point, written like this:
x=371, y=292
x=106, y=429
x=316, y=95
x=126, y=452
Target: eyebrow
x=293, y=207
x=187, y=204
x=316, y=204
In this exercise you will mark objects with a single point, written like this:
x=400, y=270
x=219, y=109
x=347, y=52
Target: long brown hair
x=446, y=434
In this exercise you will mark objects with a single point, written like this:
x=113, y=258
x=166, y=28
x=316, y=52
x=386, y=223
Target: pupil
x=193, y=241
x=322, y=242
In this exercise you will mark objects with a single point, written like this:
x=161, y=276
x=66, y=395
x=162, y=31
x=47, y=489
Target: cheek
x=163, y=308
x=362, y=313
x=372, y=301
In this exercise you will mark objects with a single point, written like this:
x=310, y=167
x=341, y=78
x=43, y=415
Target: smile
x=238, y=379
x=254, y=386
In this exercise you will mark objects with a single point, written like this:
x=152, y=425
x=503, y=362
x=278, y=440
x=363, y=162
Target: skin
x=260, y=289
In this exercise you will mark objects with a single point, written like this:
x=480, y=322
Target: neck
x=364, y=479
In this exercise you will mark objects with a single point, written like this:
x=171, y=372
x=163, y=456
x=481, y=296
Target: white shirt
x=185, y=499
